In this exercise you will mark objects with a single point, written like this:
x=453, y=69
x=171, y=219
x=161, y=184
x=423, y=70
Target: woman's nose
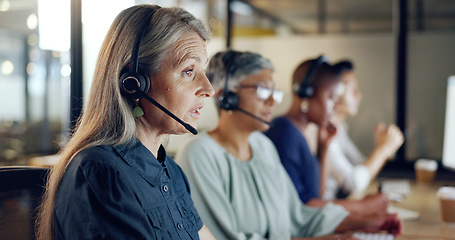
x=206, y=89
x=270, y=100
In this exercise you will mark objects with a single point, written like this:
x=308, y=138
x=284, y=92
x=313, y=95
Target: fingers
x=396, y=133
x=389, y=138
x=395, y=136
x=326, y=133
x=331, y=127
x=392, y=224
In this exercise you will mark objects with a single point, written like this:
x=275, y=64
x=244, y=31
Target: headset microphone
x=254, y=116
x=130, y=85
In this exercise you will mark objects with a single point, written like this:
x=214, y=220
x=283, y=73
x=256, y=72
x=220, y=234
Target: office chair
x=21, y=189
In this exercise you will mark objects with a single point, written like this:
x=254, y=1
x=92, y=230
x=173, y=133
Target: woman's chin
x=263, y=127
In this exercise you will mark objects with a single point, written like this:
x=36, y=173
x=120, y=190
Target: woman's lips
x=267, y=116
x=195, y=111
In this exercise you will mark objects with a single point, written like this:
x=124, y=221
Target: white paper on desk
x=404, y=214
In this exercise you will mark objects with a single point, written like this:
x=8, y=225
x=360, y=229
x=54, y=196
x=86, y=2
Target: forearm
x=325, y=167
x=375, y=161
x=388, y=140
x=354, y=208
x=350, y=223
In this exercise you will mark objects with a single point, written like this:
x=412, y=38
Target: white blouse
x=347, y=171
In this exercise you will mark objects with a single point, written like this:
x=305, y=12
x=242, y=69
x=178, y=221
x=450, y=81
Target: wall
x=431, y=61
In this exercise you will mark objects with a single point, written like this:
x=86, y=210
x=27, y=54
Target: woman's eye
x=188, y=72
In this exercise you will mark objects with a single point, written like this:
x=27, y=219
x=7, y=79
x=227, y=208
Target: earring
x=229, y=112
x=137, y=111
x=304, y=106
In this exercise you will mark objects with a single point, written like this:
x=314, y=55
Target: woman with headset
x=315, y=91
x=114, y=180
x=238, y=184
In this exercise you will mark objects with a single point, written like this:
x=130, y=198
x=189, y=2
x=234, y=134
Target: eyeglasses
x=264, y=93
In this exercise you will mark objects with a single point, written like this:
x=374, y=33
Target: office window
x=34, y=86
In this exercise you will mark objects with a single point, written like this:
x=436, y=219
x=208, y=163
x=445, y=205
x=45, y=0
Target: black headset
x=134, y=75
x=135, y=84
x=228, y=99
x=305, y=89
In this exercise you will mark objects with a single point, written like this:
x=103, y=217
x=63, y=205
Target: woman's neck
x=151, y=139
x=232, y=138
x=299, y=119
x=339, y=118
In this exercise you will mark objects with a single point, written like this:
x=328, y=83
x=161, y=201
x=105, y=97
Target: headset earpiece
x=139, y=79
x=305, y=89
x=228, y=100
x=134, y=75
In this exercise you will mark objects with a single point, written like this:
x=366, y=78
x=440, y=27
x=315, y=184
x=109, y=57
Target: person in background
x=316, y=86
x=238, y=184
x=350, y=171
x=114, y=180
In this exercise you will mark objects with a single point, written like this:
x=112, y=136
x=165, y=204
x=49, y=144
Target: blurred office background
x=403, y=52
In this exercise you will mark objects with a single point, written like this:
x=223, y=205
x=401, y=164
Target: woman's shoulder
x=99, y=151
x=261, y=140
x=281, y=122
x=97, y=165
x=282, y=127
x=98, y=158
x=264, y=147
x=201, y=149
x=95, y=153
x=202, y=144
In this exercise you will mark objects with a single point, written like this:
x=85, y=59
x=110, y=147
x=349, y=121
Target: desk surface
x=422, y=198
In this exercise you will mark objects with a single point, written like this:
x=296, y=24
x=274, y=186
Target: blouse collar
x=137, y=156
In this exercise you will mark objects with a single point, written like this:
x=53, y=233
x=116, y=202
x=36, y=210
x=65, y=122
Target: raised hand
x=326, y=134
x=388, y=138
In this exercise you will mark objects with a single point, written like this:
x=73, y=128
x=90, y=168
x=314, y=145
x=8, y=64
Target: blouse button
x=165, y=188
x=179, y=226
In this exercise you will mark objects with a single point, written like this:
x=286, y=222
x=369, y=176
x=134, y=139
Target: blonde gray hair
x=108, y=118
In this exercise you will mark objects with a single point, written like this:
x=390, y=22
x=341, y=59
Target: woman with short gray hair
x=238, y=184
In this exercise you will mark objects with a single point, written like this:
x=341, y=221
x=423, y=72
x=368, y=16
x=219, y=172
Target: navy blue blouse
x=124, y=192
x=296, y=157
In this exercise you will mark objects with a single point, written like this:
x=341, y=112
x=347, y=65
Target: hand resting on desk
x=384, y=222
